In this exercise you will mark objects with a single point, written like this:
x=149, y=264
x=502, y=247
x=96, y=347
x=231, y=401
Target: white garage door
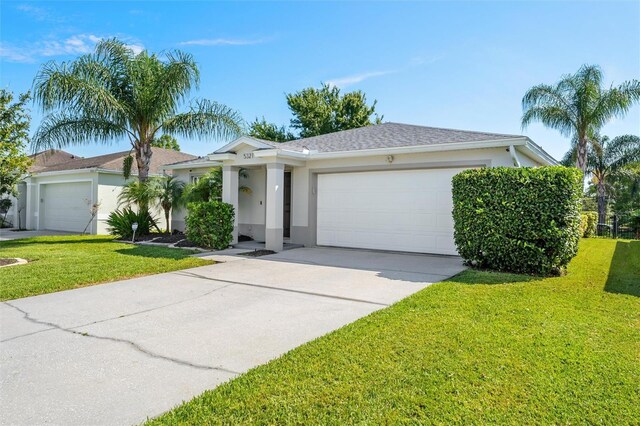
x=406, y=210
x=65, y=206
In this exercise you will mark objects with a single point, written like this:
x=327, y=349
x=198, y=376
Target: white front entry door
x=400, y=210
x=65, y=206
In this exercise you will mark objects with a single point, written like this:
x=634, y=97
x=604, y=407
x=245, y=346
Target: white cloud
x=356, y=78
x=222, y=42
x=37, y=13
x=71, y=46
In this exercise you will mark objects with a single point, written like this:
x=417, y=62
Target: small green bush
x=588, y=222
x=210, y=224
x=120, y=221
x=524, y=220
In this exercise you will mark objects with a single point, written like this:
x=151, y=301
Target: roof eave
x=451, y=146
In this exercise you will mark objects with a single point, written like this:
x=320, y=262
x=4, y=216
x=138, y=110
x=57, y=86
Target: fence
x=620, y=226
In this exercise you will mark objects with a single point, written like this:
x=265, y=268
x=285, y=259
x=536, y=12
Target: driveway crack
x=129, y=343
x=144, y=311
x=287, y=290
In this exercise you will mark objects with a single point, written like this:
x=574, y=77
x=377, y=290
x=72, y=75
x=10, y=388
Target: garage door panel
x=66, y=206
x=406, y=210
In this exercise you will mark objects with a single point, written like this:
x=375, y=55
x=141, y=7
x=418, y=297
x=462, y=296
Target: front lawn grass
x=66, y=262
x=479, y=348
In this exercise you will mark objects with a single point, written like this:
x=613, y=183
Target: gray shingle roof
x=388, y=135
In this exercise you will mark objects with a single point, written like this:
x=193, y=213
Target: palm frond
x=206, y=119
x=60, y=129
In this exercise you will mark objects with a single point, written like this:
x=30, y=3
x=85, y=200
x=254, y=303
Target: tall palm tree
x=606, y=159
x=170, y=194
x=114, y=94
x=578, y=106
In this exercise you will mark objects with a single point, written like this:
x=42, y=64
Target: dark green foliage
x=120, y=222
x=127, y=164
x=262, y=129
x=518, y=219
x=14, y=135
x=588, y=222
x=166, y=142
x=326, y=110
x=210, y=224
x=208, y=187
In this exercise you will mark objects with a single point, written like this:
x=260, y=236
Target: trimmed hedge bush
x=524, y=220
x=210, y=224
x=588, y=223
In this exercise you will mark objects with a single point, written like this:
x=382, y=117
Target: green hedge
x=588, y=223
x=210, y=224
x=524, y=220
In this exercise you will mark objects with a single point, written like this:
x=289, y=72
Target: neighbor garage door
x=65, y=206
x=406, y=210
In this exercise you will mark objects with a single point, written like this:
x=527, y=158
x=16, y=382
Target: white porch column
x=230, y=194
x=31, y=220
x=275, y=206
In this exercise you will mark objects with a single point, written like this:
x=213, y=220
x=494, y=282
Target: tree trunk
x=143, y=160
x=602, y=202
x=167, y=212
x=581, y=156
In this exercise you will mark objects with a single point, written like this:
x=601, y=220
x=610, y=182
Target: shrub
x=210, y=224
x=120, y=222
x=588, y=222
x=524, y=220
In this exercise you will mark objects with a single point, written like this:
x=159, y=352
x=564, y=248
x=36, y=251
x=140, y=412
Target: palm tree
x=114, y=94
x=170, y=193
x=578, y=106
x=607, y=159
x=142, y=194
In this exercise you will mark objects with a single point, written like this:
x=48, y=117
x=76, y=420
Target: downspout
x=514, y=156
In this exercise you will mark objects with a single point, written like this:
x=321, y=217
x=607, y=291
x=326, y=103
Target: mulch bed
x=186, y=243
x=171, y=238
x=4, y=262
x=257, y=253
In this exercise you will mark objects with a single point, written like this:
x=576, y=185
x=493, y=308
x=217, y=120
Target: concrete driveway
x=121, y=352
x=9, y=234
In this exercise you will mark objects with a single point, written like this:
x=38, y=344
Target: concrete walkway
x=118, y=353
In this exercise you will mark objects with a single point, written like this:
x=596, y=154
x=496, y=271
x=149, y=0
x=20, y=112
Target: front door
x=286, y=217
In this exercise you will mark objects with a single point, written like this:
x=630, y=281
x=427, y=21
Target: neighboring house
x=17, y=214
x=385, y=186
x=59, y=195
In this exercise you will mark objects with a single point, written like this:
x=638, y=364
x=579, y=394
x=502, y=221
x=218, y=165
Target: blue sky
x=444, y=64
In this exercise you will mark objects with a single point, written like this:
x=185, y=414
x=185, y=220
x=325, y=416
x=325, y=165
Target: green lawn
x=479, y=348
x=62, y=263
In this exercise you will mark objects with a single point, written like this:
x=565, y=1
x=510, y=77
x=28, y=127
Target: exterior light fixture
x=389, y=159
x=134, y=228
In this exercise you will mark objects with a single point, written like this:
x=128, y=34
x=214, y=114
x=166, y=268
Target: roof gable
x=245, y=142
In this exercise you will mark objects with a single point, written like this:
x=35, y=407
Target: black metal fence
x=620, y=226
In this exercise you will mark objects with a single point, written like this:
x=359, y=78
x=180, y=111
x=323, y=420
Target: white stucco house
x=385, y=186
x=61, y=188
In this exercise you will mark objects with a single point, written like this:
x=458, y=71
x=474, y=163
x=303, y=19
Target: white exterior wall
x=493, y=157
x=106, y=188
x=251, y=214
x=35, y=192
x=109, y=189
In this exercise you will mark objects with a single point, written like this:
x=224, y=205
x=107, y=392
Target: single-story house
x=385, y=186
x=61, y=189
